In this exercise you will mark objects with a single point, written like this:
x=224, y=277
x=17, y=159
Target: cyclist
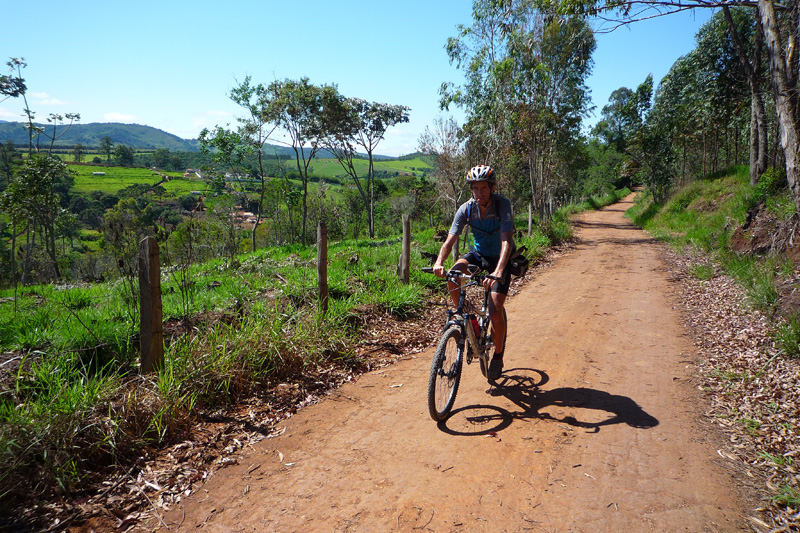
x=492, y=223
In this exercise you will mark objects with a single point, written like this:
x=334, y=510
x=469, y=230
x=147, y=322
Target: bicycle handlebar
x=457, y=274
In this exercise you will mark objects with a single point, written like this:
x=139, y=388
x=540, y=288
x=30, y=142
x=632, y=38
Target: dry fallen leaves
x=753, y=390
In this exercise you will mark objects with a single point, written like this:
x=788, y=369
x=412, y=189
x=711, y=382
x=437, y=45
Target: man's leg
x=497, y=302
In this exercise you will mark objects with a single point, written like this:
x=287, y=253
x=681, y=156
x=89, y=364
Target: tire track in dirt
x=596, y=424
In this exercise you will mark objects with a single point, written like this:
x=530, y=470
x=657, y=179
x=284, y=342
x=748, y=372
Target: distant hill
x=89, y=135
x=134, y=135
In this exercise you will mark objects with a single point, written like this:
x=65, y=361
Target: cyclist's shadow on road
x=522, y=387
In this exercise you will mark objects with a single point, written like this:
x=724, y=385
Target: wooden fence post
x=322, y=266
x=405, y=255
x=151, y=327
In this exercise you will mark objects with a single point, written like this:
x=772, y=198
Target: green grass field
x=331, y=168
x=117, y=178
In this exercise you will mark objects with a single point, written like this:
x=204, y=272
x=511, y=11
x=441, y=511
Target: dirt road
x=595, y=426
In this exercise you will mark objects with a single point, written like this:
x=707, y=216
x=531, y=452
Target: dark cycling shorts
x=488, y=264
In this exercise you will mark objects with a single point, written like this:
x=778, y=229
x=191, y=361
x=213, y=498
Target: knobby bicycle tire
x=445, y=374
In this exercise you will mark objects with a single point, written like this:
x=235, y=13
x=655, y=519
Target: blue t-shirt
x=487, y=231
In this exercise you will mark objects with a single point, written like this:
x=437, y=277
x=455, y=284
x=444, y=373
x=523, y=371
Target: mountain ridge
x=137, y=136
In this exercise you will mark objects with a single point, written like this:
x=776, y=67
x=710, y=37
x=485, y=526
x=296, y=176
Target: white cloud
x=118, y=117
x=11, y=116
x=216, y=113
x=45, y=99
x=209, y=119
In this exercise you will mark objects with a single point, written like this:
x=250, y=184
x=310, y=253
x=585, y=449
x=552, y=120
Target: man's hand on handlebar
x=491, y=279
x=439, y=270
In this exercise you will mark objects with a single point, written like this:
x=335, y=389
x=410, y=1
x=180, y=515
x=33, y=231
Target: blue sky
x=171, y=64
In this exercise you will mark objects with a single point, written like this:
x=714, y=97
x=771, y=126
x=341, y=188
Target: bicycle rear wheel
x=445, y=374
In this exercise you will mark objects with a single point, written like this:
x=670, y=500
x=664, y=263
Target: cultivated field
x=117, y=178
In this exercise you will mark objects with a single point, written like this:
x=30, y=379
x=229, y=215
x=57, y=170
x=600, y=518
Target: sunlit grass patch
x=787, y=336
x=703, y=271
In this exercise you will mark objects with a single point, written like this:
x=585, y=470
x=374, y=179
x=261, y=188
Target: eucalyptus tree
x=781, y=29
x=676, y=111
x=524, y=93
x=32, y=199
x=250, y=137
x=354, y=123
x=700, y=108
x=747, y=35
x=298, y=107
x=723, y=93
x=444, y=145
x=623, y=116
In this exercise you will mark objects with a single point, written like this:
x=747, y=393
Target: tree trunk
x=14, y=250
x=371, y=207
x=784, y=102
x=758, y=124
x=26, y=264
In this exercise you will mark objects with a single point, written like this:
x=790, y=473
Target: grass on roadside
x=704, y=214
x=73, y=402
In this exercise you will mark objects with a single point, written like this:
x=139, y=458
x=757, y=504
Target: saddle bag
x=518, y=264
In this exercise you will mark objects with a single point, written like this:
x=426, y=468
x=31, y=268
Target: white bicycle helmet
x=481, y=173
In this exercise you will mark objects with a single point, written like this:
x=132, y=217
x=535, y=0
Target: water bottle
x=476, y=327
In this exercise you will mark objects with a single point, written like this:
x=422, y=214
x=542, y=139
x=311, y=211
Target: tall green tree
x=747, y=36
x=107, y=147
x=33, y=200
x=297, y=107
x=124, y=155
x=353, y=123
x=524, y=92
x=254, y=130
x=781, y=28
x=623, y=116
x=78, y=152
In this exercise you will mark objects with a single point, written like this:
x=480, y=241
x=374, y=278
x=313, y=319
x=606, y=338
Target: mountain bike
x=467, y=336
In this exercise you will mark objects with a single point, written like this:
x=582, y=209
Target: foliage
x=124, y=155
x=787, y=336
x=33, y=200
x=688, y=219
x=351, y=123
x=524, y=93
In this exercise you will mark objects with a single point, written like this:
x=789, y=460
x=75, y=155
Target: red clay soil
x=596, y=425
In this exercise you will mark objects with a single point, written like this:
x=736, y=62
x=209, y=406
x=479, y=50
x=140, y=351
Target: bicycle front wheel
x=445, y=374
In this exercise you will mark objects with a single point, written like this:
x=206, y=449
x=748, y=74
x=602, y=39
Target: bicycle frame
x=470, y=343
x=459, y=341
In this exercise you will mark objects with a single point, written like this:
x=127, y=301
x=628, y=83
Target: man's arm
x=444, y=252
